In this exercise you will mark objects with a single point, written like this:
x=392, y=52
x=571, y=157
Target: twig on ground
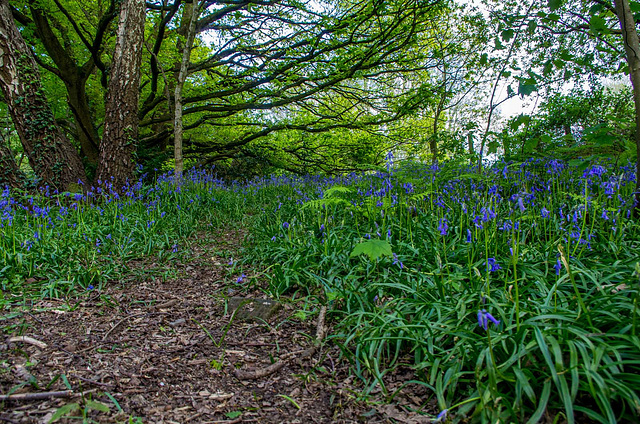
x=285, y=359
x=165, y=305
x=37, y=396
x=120, y=322
x=88, y=380
x=30, y=340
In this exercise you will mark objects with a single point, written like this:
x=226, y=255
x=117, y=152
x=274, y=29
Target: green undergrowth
x=512, y=293
x=417, y=262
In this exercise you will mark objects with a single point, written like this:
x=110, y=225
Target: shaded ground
x=166, y=351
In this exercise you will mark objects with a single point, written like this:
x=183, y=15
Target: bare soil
x=166, y=350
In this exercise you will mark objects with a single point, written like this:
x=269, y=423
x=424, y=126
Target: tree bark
x=10, y=175
x=193, y=11
x=116, y=164
x=632, y=52
x=53, y=159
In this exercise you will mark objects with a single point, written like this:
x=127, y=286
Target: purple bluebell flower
x=521, y=204
x=484, y=317
x=273, y=238
x=240, y=278
x=468, y=235
x=397, y=261
x=90, y=287
x=597, y=170
x=231, y=262
x=544, y=212
x=443, y=227
x=442, y=416
x=493, y=265
x=477, y=222
x=285, y=225
x=557, y=266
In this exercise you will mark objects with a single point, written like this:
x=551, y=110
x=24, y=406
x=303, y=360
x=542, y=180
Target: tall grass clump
x=511, y=292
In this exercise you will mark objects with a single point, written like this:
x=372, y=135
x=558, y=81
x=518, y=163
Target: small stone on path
x=251, y=309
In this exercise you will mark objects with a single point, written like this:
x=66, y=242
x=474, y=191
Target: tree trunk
x=10, y=175
x=182, y=77
x=85, y=129
x=53, y=159
x=116, y=164
x=632, y=50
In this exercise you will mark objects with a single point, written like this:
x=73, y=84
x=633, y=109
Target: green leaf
x=233, y=414
x=96, y=406
x=335, y=190
x=507, y=35
x=484, y=59
x=64, y=410
x=526, y=89
x=542, y=404
x=555, y=4
x=598, y=24
x=373, y=248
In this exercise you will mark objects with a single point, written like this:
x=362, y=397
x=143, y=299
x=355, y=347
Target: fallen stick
x=37, y=396
x=30, y=340
x=120, y=322
x=285, y=359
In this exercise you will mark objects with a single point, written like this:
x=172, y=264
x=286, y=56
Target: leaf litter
x=160, y=350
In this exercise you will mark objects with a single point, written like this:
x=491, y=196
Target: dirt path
x=167, y=351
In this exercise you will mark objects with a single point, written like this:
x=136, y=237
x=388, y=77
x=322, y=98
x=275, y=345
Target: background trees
x=253, y=86
x=238, y=72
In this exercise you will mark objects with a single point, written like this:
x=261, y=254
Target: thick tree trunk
x=120, y=135
x=86, y=131
x=632, y=50
x=53, y=159
x=10, y=175
x=193, y=11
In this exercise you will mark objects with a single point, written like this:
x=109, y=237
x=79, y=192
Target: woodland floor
x=142, y=342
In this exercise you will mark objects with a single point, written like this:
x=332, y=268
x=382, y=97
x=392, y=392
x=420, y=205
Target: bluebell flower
x=484, y=317
x=273, y=238
x=477, y=222
x=558, y=266
x=493, y=265
x=545, y=212
x=597, y=170
x=468, y=235
x=397, y=261
x=442, y=416
x=521, y=204
x=285, y=225
x=240, y=278
x=90, y=287
x=443, y=227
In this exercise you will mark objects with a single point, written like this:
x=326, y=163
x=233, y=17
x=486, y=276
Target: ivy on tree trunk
x=53, y=159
